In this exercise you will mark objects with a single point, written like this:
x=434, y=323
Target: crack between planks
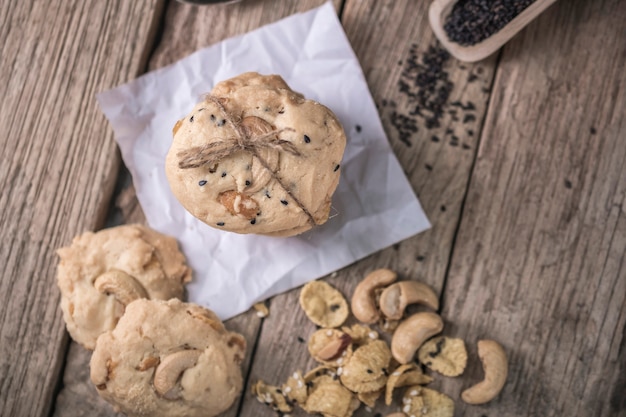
x=469, y=183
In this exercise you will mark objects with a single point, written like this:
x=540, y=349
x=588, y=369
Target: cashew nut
x=412, y=333
x=171, y=369
x=495, y=365
x=122, y=286
x=364, y=299
x=396, y=297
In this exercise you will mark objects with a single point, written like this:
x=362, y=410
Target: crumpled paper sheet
x=373, y=207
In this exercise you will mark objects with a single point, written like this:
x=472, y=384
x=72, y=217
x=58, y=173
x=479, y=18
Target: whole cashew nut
x=396, y=297
x=364, y=300
x=495, y=365
x=122, y=286
x=171, y=369
x=412, y=333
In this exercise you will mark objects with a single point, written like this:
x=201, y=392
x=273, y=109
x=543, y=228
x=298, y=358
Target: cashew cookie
x=100, y=273
x=256, y=157
x=168, y=358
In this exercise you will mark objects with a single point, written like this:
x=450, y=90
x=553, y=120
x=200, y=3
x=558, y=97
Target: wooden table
x=523, y=178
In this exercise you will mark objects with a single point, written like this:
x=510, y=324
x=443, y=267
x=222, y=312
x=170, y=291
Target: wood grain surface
x=519, y=162
x=540, y=259
x=59, y=164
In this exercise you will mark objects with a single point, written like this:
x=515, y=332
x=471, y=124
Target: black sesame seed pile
x=426, y=84
x=473, y=21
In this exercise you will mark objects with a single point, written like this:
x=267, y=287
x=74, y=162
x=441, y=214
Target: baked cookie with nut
x=168, y=358
x=256, y=157
x=100, y=273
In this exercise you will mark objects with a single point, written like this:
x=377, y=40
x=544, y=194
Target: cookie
x=256, y=157
x=100, y=273
x=168, y=358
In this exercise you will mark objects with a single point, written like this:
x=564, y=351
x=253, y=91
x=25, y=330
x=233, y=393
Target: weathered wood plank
x=392, y=40
x=58, y=168
x=185, y=30
x=540, y=259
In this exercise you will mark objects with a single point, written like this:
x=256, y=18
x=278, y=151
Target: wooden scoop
x=440, y=9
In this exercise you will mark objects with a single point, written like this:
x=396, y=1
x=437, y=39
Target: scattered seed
x=357, y=128
x=429, y=167
x=300, y=339
x=420, y=258
x=267, y=194
x=284, y=202
x=307, y=139
x=435, y=138
x=336, y=168
x=248, y=182
x=202, y=183
x=443, y=208
x=472, y=78
x=220, y=223
x=334, y=307
x=568, y=184
x=212, y=117
x=191, y=119
x=465, y=146
x=253, y=221
x=469, y=118
x=593, y=130
x=223, y=174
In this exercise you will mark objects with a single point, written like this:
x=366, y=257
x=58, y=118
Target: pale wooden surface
x=59, y=164
x=528, y=240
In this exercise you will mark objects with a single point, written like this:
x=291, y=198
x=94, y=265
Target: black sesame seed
x=358, y=128
x=300, y=339
x=267, y=194
x=443, y=208
x=472, y=21
x=435, y=138
x=202, y=183
x=202, y=109
x=568, y=184
x=221, y=122
x=466, y=146
x=212, y=117
x=220, y=223
x=470, y=132
x=307, y=139
x=191, y=119
x=253, y=221
x=284, y=202
x=369, y=371
x=472, y=78
x=223, y=174
x=385, y=372
x=429, y=167
x=469, y=118
x=248, y=182
x=334, y=307
x=420, y=258
x=281, y=111
x=336, y=168
x=593, y=130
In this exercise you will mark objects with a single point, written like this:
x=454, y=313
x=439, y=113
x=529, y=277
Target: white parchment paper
x=373, y=207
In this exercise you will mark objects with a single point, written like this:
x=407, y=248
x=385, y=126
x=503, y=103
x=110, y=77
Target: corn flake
x=367, y=368
x=328, y=397
x=323, y=304
x=445, y=355
x=271, y=396
x=409, y=374
x=425, y=402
